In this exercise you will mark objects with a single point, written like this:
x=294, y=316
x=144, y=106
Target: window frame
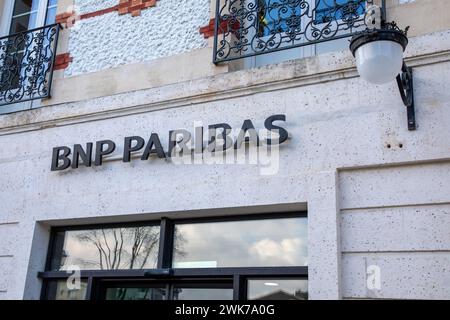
x=164, y=270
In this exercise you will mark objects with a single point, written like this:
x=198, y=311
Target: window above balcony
x=247, y=28
x=27, y=52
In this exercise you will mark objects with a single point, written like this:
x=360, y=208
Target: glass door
x=133, y=290
x=215, y=289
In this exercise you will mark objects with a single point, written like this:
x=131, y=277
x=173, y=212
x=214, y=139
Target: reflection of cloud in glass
x=268, y=250
x=270, y=242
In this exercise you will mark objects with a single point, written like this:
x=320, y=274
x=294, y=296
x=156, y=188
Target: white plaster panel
x=6, y=274
x=110, y=40
x=88, y=6
x=323, y=237
x=15, y=266
x=405, y=185
x=411, y=275
x=9, y=238
x=416, y=228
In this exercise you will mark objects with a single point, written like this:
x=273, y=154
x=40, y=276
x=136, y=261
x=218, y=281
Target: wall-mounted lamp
x=379, y=59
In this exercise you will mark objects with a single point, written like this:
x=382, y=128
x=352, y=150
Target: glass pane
x=52, y=3
x=25, y=6
x=276, y=16
x=23, y=23
x=106, y=249
x=277, y=289
x=251, y=243
x=51, y=16
x=180, y=293
x=136, y=294
x=64, y=290
x=329, y=10
x=10, y=78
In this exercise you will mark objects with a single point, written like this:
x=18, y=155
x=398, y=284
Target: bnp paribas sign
x=219, y=138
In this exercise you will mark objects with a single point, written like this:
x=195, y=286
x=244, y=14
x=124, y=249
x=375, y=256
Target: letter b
x=57, y=156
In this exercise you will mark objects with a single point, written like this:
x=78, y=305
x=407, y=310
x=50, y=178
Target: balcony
x=246, y=28
x=26, y=64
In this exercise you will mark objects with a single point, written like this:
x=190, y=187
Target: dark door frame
x=169, y=284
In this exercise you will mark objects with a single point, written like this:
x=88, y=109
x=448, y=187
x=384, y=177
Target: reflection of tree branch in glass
x=112, y=248
x=122, y=248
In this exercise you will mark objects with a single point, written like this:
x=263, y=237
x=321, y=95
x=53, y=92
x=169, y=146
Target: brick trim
x=99, y=12
x=133, y=7
x=208, y=30
x=62, y=61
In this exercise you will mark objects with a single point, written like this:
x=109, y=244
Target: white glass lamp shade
x=380, y=61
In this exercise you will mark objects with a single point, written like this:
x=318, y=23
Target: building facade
x=113, y=184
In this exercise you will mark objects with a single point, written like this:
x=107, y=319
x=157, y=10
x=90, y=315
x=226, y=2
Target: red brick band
x=62, y=61
x=224, y=26
x=132, y=7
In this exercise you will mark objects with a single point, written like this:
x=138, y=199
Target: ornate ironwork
x=26, y=64
x=247, y=28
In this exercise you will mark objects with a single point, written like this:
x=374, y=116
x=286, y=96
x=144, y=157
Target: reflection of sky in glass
x=329, y=10
x=285, y=289
x=115, y=248
x=253, y=243
x=277, y=16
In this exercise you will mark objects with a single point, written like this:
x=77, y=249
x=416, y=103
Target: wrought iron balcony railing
x=247, y=28
x=26, y=64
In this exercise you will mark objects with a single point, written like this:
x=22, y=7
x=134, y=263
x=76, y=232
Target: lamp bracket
x=406, y=87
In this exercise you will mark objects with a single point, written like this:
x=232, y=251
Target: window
x=276, y=17
x=252, y=243
x=329, y=10
x=277, y=289
x=271, y=31
x=240, y=257
x=59, y=290
x=26, y=52
x=106, y=248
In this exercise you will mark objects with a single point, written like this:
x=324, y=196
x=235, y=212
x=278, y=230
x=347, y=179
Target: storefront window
x=217, y=258
x=252, y=243
x=277, y=289
x=106, y=249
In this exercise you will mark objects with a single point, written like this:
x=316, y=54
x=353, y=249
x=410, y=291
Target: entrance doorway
x=200, y=289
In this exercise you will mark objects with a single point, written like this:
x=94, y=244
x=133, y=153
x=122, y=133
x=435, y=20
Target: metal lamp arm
x=406, y=87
